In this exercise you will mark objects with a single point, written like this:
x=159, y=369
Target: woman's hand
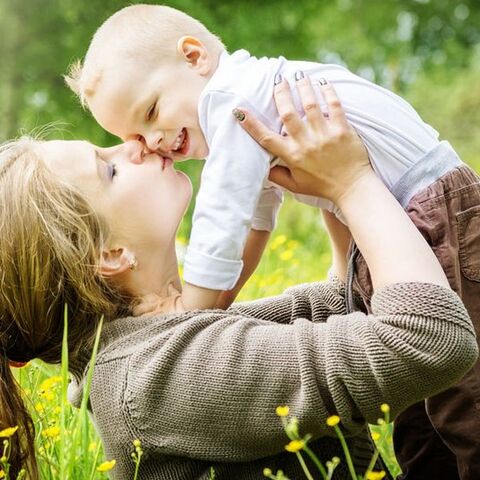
x=325, y=156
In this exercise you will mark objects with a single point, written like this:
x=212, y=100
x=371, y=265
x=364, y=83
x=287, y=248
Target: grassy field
x=67, y=444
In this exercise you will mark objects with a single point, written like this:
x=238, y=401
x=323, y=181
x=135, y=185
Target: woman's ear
x=195, y=54
x=115, y=262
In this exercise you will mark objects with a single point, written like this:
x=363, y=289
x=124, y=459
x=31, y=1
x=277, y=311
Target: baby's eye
x=151, y=111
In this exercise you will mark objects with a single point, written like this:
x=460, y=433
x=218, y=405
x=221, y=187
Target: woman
x=95, y=229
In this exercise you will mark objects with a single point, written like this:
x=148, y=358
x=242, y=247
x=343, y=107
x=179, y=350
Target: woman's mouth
x=167, y=162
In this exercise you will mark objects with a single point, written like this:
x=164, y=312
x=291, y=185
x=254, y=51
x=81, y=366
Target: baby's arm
x=256, y=242
x=263, y=223
x=230, y=187
x=340, y=238
x=194, y=297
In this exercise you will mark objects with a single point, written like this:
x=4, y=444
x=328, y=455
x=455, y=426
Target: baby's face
x=157, y=105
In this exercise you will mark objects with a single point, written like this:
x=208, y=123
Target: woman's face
x=141, y=196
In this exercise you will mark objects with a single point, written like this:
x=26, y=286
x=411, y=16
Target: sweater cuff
x=421, y=299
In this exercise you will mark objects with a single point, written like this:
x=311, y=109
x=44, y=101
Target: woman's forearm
x=393, y=248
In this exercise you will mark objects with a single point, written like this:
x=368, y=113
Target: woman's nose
x=132, y=151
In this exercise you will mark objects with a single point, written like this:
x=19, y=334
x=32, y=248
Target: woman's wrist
x=350, y=198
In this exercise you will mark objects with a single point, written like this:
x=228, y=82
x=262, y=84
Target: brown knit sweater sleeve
x=207, y=385
x=313, y=301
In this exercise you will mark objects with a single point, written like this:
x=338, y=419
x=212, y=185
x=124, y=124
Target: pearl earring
x=133, y=263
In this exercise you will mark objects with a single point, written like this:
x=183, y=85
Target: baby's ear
x=194, y=52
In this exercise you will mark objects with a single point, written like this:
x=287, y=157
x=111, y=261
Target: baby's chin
x=193, y=156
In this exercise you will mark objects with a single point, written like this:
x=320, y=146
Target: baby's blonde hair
x=139, y=33
x=50, y=245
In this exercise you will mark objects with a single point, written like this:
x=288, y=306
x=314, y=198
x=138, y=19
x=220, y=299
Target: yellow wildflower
x=39, y=407
x=286, y=255
x=385, y=407
x=137, y=443
x=293, y=244
x=49, y=383
x=375, y=475
x=106, y=466
x=375, y=436
x=295, y=446
x=282, y=411
x=51, y=432
x=57, y=409
x=2, y=474
x=267, y=472
x=47, y=395
x=333, y=420
x=277, y=241
x=8, y=432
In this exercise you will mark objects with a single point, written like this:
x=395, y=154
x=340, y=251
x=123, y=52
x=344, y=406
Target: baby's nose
x=152, y=142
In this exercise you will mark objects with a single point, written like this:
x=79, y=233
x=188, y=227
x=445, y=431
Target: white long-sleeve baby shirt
x=235, y=194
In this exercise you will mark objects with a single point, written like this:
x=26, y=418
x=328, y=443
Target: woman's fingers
x=310, y=103
x=335, y=110
x=287, y=111
x=269, y=140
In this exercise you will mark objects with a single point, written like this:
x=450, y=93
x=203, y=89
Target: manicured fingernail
x=278, y=79
x=240, y=116
x=299, y=75
x=322, y=81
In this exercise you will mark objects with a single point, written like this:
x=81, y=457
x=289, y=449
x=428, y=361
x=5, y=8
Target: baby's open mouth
x=181, y=143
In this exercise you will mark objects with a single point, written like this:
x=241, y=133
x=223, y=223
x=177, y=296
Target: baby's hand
x=153, y=303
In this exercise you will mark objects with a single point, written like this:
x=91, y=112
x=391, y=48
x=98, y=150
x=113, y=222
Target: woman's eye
x=151, y=111
x=112, y=170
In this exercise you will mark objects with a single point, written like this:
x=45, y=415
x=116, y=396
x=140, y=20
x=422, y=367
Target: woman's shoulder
x=123, y=336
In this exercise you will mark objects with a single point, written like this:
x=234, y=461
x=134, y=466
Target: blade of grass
x=82, y=416
x=63, y=405
x=94, y=463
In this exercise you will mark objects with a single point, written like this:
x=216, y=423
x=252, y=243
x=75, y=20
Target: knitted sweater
x=199, y=389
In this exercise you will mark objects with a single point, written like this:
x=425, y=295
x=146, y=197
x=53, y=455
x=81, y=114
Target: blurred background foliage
x=426, y=50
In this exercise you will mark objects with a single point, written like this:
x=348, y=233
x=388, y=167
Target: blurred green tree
x=390, y=42
x=416, y=47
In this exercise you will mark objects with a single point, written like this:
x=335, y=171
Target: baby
x=154, y=74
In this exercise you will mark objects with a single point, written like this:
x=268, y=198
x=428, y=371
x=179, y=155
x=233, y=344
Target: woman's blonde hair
x=140, y=33
x=51, y=241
